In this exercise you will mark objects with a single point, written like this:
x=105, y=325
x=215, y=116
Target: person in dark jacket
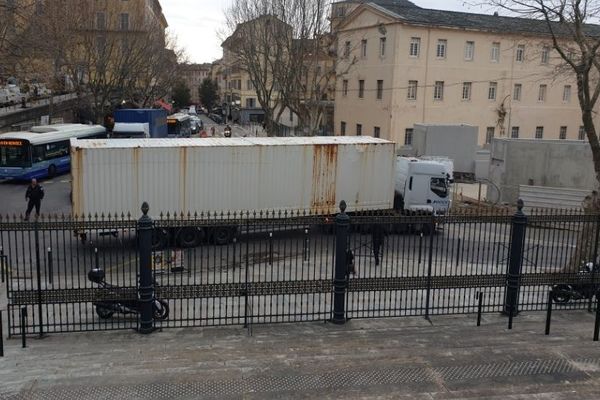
x=34, y=196
x=378, y=234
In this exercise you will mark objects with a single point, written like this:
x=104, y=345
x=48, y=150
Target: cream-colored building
x=402, y=64
x=193, y=75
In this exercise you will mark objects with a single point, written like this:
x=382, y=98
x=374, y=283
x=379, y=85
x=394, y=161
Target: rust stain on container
x=77, y=156
x=324, y=177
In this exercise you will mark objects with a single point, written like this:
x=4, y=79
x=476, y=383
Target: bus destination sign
x=11, y=142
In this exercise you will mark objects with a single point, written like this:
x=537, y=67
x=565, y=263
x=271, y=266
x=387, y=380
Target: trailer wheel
x=222, y=235
x=189, y=237
x=160, y=239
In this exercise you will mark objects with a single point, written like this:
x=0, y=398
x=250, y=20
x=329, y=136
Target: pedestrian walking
x=227, y=132
x=212, y=131
x=378, y=235
x=34, y=196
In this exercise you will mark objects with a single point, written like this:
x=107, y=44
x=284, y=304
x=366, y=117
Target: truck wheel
x=160, y=239
x=222, y=235
x=189, y=237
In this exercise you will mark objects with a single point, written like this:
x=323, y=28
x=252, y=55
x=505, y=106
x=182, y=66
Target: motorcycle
x=563, y=293
x=107, y=308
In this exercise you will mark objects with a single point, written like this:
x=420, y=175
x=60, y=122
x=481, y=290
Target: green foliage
x=208, y=93
x=181, y=95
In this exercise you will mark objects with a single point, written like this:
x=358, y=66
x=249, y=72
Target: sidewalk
x=385, y=358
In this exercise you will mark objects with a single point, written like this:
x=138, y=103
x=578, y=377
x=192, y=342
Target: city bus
x=43, y=151
x=179, y=125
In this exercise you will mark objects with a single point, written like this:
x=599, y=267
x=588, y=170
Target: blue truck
x=140, y=123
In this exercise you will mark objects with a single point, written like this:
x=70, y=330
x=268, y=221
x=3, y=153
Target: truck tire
x=222, y=235
x=189, y=237
x=160, y=239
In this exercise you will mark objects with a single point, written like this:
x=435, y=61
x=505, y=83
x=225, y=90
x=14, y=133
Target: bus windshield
x=14, y=153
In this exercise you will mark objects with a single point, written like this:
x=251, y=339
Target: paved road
x=236, y=130
x=56, y=201
x=399, y=358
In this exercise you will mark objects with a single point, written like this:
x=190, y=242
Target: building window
x=343, y=128
x=441, y=48
x=514, y=133
x=361, y=89
x=250, y=102
x=408, y=136
x=581, y=135
x=415, y=46
x=517, y=92
x=363, y=48
x=249, y=85
x=382, y=47
x=469, y=51
x=412, y=90
x=438, y=90
x=341, y=11
x=545, y=54
x=520, y=56
x=563, y=133
x=495, y=52
x=466, y=92
x=489, y=134
x=379, y=89
x=347, y=48
x=358, y=129
x=567, y=94
x=377, y=132
x=124, y=22
x=101, y=20
x=542, y=93
x=291, y=116
x=492, y=90
x=539, y=132
x=345, y=87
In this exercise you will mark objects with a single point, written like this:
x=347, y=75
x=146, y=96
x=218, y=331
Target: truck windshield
x=14, y=153
x=439, y=186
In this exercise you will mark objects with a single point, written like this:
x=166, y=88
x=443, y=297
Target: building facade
x=193, y=75
x=402, y=64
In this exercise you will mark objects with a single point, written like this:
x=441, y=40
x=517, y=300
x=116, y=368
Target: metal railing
x=252, y=268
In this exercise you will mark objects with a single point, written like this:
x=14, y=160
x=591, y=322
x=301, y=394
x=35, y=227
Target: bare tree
x=259, y=46
x=288, y=50
x=578, y=45
x=101, y=59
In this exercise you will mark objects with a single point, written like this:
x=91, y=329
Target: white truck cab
x=422, y=186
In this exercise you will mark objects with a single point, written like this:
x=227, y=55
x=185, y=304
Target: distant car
x=216, y=118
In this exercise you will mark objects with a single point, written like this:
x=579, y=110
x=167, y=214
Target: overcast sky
x=195, y=23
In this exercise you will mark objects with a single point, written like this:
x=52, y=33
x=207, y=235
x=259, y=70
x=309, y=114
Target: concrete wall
x=553, y=163
x=457, y=142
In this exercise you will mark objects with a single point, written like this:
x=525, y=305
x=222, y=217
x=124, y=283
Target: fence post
x=38, y=267
x=1, y=336
x=146, y=284
x=342, y=224
x=515, y=261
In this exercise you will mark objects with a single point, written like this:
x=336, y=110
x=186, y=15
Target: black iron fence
x=96, y=273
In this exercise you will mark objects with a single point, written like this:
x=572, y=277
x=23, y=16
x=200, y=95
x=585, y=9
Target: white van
x=422, y=186
x=5, y=98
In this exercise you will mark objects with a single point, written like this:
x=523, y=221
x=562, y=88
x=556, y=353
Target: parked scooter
x=563, y=293
x=106, y=308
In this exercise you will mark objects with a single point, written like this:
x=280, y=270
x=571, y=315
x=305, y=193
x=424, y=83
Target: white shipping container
x=231, y=174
